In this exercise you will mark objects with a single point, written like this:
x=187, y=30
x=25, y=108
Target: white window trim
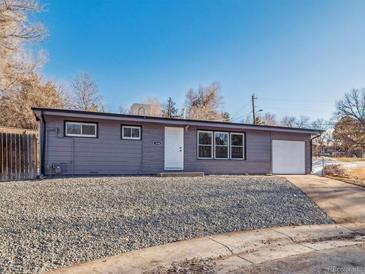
x=228, y=145
x=211, y=145
x=243, y=145
x=81, y=135
x=132, y=138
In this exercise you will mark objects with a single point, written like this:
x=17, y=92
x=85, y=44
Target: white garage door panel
x=288, y=157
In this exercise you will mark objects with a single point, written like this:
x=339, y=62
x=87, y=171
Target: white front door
x=174, y=148
x=288, y=157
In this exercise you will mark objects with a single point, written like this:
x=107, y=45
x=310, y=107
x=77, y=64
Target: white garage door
x=288, y=157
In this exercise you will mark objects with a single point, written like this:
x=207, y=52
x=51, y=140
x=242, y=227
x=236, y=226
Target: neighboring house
x=81, y=143
x=145, y=109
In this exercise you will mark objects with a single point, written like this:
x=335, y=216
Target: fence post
x=2, y=157
x=6, y=157
x=28, y=157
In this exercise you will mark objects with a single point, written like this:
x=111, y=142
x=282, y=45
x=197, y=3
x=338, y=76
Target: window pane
x=135, y=132
x=89, y=129
x=127, y=132
x=221, y=152
x=205, y=138
x=237, y=153
x=236, y=140
x=221, y=138
x=73, y=129
x=205, y=151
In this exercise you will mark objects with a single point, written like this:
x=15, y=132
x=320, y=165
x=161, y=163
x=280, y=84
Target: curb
x=230, y=250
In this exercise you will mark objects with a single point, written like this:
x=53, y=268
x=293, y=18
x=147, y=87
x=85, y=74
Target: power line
x=293, y=100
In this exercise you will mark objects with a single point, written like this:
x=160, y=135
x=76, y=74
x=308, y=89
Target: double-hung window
x=221, y=145
x=131, y=132
x=237, y=146
x=205, y=144
x=81, y=129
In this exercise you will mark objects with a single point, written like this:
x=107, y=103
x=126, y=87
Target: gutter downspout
x=43, y=147
x=311, y=151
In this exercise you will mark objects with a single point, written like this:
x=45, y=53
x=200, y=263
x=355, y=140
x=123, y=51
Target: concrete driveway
x=341, y=201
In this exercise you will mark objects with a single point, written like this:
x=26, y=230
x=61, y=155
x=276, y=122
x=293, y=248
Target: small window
x=80, y=129
x=237, y=146
x=131, y=132
x=205, y=144
x=221, y=144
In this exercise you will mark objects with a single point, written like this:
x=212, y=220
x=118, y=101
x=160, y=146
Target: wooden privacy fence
x=18, y=156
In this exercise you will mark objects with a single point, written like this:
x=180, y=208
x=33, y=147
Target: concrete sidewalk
x=341, y=201
x=229, y=251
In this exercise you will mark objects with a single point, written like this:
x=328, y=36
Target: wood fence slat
x=6, y=157
x=11, y=148
x=32, y=158
x=2, y=157
x=35, y=147
x=28, y=157
x=21, y=156
x=16, y=158
x=18, y=162
x=12, y=157
x=23, y=152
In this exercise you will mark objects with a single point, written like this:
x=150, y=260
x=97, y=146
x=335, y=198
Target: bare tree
x=288, y=121
x=15, y=30
x=349, y=134
x=302, y=122
x=169, y=109
x=268, y=119
x=291, y=121
x=353, y=105
x=325, y=139
x=16, y=106
x=85, y=94
x=204, y=104
x=21, y=87
x=247, y=119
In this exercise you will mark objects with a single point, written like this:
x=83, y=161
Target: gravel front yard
x=53, y=223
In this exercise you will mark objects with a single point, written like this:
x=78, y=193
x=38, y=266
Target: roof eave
x=169, y=121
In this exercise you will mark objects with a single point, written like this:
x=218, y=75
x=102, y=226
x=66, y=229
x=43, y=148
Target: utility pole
x=253, y=98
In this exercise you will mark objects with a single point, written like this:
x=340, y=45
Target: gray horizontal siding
x=153, y=154
x=257, y=155
x=108, y=154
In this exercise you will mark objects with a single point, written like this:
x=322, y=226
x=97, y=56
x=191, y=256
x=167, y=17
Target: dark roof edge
x=173, y=119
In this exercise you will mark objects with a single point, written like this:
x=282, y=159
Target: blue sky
x=298, y=57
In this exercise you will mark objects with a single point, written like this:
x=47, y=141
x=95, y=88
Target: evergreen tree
x=169, y=109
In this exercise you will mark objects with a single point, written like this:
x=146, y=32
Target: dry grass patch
x=351, y=175
x=358, y=174
x=349, y=159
